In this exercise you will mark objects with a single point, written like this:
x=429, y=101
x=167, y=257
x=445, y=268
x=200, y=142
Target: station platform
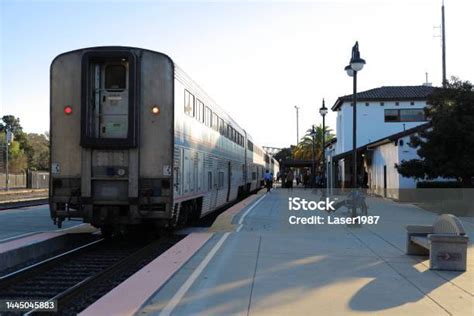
x=252, y=262
x=21, y=222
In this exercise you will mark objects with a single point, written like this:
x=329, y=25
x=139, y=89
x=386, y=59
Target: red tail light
x=68, y=110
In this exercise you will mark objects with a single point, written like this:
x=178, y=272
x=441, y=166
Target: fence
x=30, y=180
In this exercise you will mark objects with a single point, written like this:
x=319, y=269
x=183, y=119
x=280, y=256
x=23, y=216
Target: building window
x=392, y=116
x=367, y=103
x=382, y=104
x=412, y=103
x=412, y=115
x=397, y=103
x=188, y=103
x=405, y=115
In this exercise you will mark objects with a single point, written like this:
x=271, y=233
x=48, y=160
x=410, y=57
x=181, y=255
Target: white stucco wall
x=371, y=124
x=405, y=152
x=388, y=155
x=385, y=155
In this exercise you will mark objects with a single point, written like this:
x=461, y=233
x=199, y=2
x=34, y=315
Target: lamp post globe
x=323, y=110
x=358, y=65
x=356, y=62
x=349, y=71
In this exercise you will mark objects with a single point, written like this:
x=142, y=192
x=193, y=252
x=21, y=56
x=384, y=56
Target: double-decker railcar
x=135, y=141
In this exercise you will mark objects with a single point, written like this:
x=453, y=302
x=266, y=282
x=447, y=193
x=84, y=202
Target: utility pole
x=443, y=40
x=9, y=138
x=297, y=126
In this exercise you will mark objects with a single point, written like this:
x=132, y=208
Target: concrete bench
x=445, y=241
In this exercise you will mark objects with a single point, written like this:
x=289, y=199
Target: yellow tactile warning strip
x=130, y=295
x=223, y=222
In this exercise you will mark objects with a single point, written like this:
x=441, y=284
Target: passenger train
x=135, y=141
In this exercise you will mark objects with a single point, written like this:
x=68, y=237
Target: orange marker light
x=68, y=110
x=155, y=110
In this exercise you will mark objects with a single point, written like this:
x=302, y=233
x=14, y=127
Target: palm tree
x=304, y=149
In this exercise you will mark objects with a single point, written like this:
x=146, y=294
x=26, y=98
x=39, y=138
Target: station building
x=386, y=119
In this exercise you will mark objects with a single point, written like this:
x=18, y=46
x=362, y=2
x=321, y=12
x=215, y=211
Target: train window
x=249, y=145
x=188, y=103
x=215, y=122
x=115, y=77
x=207, y=116
x=209, y=181
x=199, y=111
x=196, y=111
x=221, y=179
x=221, y=126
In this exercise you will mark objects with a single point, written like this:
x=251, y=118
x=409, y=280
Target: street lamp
x=323, y=111
x=313, y=156
x=355, y=65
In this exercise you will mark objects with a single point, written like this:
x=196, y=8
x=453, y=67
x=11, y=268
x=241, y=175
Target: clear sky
x=257, y=59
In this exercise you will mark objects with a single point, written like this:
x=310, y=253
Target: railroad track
x=68, y=279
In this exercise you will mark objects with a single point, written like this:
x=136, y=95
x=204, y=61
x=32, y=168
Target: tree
x=12, y=123
x=304, y=150
x=284, y=154
x=18, y=159
x=446, y=149
x=38, y=155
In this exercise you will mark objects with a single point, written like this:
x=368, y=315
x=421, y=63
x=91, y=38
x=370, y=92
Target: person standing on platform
x=305, y=179
x=289, y=180
x=268, y=178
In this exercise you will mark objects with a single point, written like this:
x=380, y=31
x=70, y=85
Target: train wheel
x=107, y=231
x=184, y=215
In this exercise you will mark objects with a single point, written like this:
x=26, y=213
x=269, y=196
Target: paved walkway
x=21, y=221
x=270, y=267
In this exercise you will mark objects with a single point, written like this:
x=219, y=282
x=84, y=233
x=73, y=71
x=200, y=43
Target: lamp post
x=355, y=65
x=313, y=156
x=323, y=111
x=297, y=125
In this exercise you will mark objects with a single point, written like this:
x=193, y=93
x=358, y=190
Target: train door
x=229, y=179
x=110, y=117
x=212, y=186
x=186, y=173
x=109, y=171
x=200, y=173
